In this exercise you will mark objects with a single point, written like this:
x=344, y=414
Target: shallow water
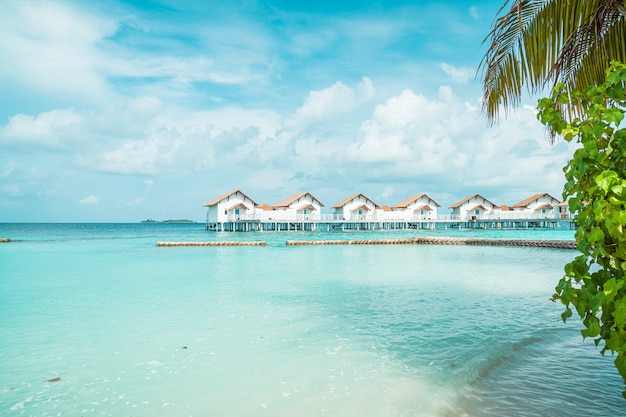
x=402, y=330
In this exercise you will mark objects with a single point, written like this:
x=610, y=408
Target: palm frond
x=588, y=39
x=537, y=43
x=498, y=63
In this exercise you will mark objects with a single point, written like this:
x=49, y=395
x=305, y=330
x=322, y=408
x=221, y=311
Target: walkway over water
x=558, y=244
x=255, y=225
x=211, y=243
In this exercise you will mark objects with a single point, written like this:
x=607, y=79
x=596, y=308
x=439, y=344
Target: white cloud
x=366, y=86
x=77, y=51
x=8, y=169
x=141, y=135
x=47, y=130
x=314, y=134
x=12, y=190
x=473, y=10
x=52, y=46
x=443, y=145
x=329, y=103
x=387, y=192
x=164, y=150
x=89, y=200
x=136, y=202
x=181, y=70
x=458, y=75
x=410, y=127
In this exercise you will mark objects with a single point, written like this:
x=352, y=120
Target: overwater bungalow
x=232, y=206
x=302, y=206
x=472, y=208
x=356, y=207
x=235, y=211
x=563, y=211
x=417, y=208
x=537, y=206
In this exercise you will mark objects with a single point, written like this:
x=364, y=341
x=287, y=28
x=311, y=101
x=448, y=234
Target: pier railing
x=278, y=216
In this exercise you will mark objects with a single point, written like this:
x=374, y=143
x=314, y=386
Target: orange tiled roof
x=477, y=207
x=239, y=205
x=456, y=205
x=225, y=196
x=408, y=201
x=287, y=202
x=529, y=200
x=423, y=207
x=307, y=206
x=352, y=197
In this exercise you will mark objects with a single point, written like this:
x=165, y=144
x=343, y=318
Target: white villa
x=303, y=206
x=563, y=210
x=356, y=207
x=416, y=208
x=235, y=211
x=472, y=207
x=232, y=206
x=537, y=206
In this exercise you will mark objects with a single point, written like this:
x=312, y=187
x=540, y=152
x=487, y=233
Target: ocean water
x=131, y=329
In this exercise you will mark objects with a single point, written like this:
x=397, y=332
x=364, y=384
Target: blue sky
x=118, y=111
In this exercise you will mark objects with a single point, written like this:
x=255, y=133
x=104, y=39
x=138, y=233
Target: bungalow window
x=477, y=212
x=421, y=212
x=304, y=211
x=360, y=212
x=543, y=211
x=237, y=212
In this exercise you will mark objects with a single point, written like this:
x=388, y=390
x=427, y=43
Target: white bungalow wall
x=462, y=210
x=212, y=214
x=385, y=216
x=424, y=213
x=562, y=211
x=225, y=213
x=347, y=211
x=292, y=213
x=532, y=208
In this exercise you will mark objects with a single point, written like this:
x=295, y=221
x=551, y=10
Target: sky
x=120, y=111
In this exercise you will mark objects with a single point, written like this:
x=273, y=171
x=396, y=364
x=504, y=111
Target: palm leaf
x=537, y=43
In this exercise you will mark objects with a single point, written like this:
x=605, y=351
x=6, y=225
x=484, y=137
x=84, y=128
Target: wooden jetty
x=538, y=243
x=422, y=240
x=211, y=243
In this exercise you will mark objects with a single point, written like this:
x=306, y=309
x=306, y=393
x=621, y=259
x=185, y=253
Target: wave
x=552, y=372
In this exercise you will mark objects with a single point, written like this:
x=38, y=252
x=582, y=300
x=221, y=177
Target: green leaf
x=566, y=314
x=593, y=328
x=605, y=179
x=613, y=116
x=595, y=235
x=611, y=287
x=595, y=186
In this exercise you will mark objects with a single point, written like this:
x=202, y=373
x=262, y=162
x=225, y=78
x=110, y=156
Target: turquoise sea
x=122, y=327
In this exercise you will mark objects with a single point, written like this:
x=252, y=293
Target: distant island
x=167, y=221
